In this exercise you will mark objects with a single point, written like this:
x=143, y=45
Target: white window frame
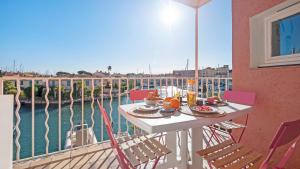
x=282, y=59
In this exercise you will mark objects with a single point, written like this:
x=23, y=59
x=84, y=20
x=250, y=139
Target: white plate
x=147, y=108
x=167, y=111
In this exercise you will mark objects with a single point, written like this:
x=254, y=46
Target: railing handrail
x=99, y=78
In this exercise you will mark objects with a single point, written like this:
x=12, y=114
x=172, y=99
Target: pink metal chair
x=247, y=98
x=140, y=151
x=287, y=132
x=231, y=155
x=136, y=95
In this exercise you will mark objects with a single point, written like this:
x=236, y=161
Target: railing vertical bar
x=172, y=89
x=160, y=86
x=182, y=87
x=59, y=114
x=1, y=86
x=213, y=86
x=219, y=87
x=134, y=83
x=111, y=99
x=177, y=85
x=207, y=87
x=127, y=100
x=226, y=84
x=202, y=86
x=167, y=81
x=92, y=104
x=71, y=107
x=82, y=109
x=102, y=125
x=32, y=116
x=119, y=102
x=18, y=121
x=47, y=117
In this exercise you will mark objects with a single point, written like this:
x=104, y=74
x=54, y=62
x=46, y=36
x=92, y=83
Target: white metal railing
x=209, y=86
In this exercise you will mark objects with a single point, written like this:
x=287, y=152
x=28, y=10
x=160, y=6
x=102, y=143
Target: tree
x=83, y=72
x=63, y=74
x=116, y=86
x=109, y=68
x=28, y=90
x=10, y=88
x=97, y=91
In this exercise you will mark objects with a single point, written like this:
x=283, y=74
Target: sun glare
x=169, y=15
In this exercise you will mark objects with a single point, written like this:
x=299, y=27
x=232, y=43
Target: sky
x=70, y=35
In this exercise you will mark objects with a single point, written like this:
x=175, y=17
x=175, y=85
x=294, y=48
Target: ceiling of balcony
x=193, y=3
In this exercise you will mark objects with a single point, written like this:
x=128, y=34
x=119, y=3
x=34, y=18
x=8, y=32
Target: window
x=275, y=36
x=68, y=83
x=283, y=36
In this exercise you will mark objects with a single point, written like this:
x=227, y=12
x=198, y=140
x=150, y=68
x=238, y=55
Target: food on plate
x=171, y=103
x=153, y=96
x=214, y=100
x=175, y=103
x=167, y=105
x=168, y=99
x=203, y=108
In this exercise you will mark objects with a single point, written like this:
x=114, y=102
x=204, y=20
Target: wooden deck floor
x=98, y=156
x=89, y=157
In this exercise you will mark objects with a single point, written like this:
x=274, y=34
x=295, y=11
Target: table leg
x=197, y=144
x=171, y=160
x=184, y=149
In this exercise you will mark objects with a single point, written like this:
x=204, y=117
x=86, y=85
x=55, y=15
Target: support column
x=196, y=51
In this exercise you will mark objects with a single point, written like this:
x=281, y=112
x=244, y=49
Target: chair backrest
x=123, y=161
x=241, y=97
x=135, y=95
x=287, y=132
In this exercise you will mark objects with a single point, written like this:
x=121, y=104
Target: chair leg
x=155, y=163
x=213, y=134
x=246, y=123
x=232, y=137
x=145, y=165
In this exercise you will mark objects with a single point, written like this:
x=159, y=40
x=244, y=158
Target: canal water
x=40, y=129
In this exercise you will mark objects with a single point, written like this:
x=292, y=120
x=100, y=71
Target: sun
x=169, y=15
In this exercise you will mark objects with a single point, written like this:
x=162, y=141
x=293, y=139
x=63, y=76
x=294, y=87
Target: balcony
x=48, y=111
x=47, y=108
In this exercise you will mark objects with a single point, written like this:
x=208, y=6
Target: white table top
x=181, y=121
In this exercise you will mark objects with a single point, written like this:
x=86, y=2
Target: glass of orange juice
x=191, y=93
x=191, y=98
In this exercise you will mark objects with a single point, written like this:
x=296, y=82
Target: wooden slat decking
x=99, y=156
x=89, y=157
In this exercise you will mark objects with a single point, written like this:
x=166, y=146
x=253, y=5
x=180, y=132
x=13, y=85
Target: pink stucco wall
x=277, y=88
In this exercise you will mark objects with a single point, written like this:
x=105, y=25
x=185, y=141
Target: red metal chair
x=231, y=155
x=140, y=150
x=247, y=98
